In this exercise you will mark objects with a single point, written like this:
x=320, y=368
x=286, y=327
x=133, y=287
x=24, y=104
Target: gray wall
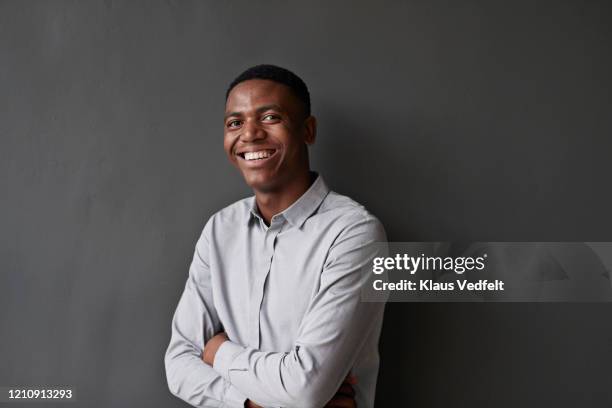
x=449, y=120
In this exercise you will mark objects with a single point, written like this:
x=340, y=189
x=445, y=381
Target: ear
x=310, y=130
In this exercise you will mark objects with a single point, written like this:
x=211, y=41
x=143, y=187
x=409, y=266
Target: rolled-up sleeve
x=334, y=329
x=194, y=323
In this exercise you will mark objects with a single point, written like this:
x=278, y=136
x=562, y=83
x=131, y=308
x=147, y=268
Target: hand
x=251, y=404
x=210, y=349
x=345, y=396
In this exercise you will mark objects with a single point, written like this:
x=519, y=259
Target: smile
x=259, y=155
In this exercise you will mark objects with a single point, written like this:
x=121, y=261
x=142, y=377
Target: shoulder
x=231, y=215
x=235, y=212
x=351, y=217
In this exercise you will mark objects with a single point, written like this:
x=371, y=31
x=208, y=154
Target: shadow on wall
x=392, y=170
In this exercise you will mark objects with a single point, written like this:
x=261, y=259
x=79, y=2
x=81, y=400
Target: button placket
x=270, y=238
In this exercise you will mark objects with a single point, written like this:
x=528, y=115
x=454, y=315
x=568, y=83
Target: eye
x=270, y=117
x=232, y=124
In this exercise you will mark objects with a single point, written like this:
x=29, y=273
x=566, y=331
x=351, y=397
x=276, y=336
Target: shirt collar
x=298, y=212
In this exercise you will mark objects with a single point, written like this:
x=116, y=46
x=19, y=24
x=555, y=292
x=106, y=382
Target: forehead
x=253, y=93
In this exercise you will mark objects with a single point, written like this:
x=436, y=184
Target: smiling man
x=271, y=312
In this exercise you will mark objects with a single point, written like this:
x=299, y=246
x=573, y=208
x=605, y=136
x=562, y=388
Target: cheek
x=295, y=148
x=227, y=145
x=291, y=142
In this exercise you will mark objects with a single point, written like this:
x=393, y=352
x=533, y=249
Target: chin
x=263, y=184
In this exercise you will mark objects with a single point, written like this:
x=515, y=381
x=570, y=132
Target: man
x=271, y=312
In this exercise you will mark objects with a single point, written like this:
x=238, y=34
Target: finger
x=346, y=389
x=341, y=402
x=350, y=379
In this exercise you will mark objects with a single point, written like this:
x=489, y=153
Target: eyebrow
x=259, y=110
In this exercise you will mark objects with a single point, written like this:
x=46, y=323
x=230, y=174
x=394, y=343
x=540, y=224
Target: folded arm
x=331, y=334
x=195, y=322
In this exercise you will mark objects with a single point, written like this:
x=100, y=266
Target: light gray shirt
x=288, y=297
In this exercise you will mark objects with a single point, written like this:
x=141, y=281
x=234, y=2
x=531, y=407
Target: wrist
x=211, y=347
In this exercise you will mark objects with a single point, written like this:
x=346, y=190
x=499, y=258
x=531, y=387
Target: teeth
x=261, y=154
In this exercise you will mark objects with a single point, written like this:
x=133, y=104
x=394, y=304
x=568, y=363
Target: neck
x=271, y=203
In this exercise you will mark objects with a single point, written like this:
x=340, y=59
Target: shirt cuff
x=225, y=355
x=233, y=398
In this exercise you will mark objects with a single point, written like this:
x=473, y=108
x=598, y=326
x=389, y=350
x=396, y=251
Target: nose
x=252, y=132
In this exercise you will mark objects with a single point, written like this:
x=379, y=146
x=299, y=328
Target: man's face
x=266, y=134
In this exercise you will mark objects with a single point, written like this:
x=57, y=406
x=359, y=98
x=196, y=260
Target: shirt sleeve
x=333, y=331
x=194, y=323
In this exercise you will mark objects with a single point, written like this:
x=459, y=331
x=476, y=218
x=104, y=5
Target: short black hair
x=276, y=74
